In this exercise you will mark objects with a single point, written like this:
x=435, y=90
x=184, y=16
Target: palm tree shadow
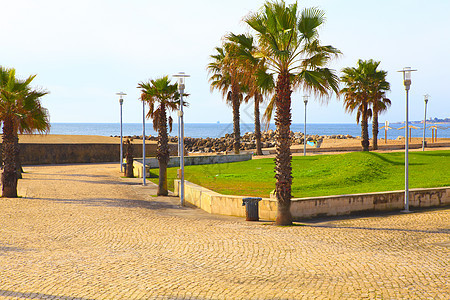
x=106, y=181
x=4, y=249
x=433, y=153
x=154, y=204
x=393, y=162
x=329, y=221
x=443, y=230
x=30, y=295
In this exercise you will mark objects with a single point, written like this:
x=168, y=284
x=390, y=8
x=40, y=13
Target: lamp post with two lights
x=407, y=83
x=121, y=94
x=181, y=81
x=305, y=100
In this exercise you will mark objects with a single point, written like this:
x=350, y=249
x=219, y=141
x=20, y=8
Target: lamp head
x=426, y=98
x=181, y=79
x=121, y=94
x=305, y=99
x=407, y=76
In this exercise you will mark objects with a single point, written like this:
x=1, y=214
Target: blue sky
x=85, y=51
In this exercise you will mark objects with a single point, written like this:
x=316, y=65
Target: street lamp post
x=407, y=83
x=121, y=94
x=425, y=121
x=181, y=79
x=305, y=100
x=143, y=144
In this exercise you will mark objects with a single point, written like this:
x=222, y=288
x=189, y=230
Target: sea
x=214, y=130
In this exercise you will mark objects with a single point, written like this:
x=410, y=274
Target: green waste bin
x=251, y=208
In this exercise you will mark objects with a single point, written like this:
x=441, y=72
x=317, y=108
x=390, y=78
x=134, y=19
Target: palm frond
x=311, y=19
x=160, y=95
x=21, y=103
x=267, y=116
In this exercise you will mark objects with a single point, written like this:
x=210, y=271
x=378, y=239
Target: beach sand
x=331, y=144
x=71, y=139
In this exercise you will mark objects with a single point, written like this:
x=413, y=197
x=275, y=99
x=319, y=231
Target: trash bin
x=251, y=208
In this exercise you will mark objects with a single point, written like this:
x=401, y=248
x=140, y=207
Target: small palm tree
x=227, y=78
x=356, y=99
x=34, y=118
x=289, y=43
x=20, y=112
x=365, y=93
x=162, y=97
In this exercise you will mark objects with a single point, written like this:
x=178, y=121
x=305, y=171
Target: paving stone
x=82, y=232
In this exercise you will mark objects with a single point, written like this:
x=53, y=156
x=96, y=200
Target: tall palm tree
x=289, y=42
x=226, y=77
x=364, y=93
x=20, y=112
x=162, y=97
x=256, y=80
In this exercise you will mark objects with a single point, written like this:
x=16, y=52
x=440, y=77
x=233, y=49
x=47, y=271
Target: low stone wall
x=383, y=201
x=303, y=208
x=38, y=154
x=381, y=146
x=174, y=161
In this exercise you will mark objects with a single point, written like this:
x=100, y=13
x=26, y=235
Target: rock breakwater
x=248, y=142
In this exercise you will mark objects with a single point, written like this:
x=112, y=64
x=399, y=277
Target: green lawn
x=323, y=175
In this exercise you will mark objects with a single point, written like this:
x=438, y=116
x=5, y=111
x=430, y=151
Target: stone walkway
x=82, y=232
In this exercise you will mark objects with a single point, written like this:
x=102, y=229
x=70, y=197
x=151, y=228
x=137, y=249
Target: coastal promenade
x=82, y=232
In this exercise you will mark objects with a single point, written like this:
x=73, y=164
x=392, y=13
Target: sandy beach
x=331, y=144
x=70, y=139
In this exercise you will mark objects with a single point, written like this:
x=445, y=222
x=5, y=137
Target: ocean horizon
x=214, y=130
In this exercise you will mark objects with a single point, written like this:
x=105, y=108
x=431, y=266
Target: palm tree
x=378, y=100
x=20, y=112
x=365, y=93
x=289, y=42
x=162, y=97
x=34, y=118
x=256, y=80
x=226, y=77
x=356, y=99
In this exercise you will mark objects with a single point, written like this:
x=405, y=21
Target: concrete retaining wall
x=381, y=146
x=174, y=161
x=38, y=154
x=303, y=208
x=383, y=201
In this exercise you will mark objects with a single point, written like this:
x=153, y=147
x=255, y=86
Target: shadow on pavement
x=22, y=295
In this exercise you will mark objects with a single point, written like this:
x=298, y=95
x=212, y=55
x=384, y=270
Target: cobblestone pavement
x=82, y=232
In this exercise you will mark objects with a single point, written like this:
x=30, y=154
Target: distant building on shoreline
x=429, y=121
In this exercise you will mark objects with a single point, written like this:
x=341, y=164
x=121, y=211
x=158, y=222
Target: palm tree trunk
x=236, y=126
x=364, y=129
x=9, y=175
x=17, y=155
x=257, y=126
x=283, y=157
x=162, y=183
x=375, y=129
x=162, y=153
x=130, y=159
